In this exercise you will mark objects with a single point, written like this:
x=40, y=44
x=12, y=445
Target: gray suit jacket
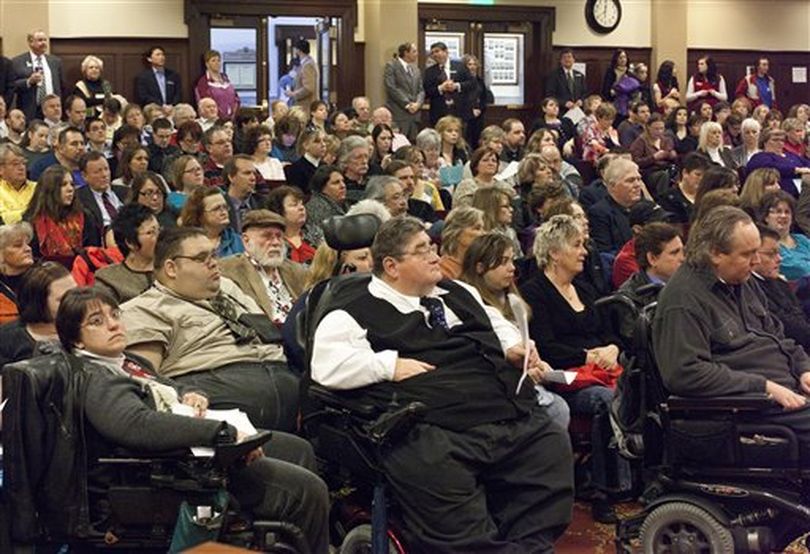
x=239, y=269
x=401, y=89
x=26, y=97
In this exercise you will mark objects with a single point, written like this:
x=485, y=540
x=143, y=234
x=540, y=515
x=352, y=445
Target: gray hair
x=188, y=108
x=375, y=188
x=714, y=232
x=457, y=221
x=553, y=236
x=617, y=169
x=372, y=207
x=750, y=123
x=347, y=146
x=91, y=59
x=391, y=239
x=428, y=139
x=9, y=148
x=10, y=232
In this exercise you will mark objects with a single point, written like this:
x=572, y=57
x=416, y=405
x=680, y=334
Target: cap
x=645, y=211
x=262, y=218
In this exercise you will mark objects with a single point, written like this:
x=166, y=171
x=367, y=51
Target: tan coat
x=239, y=269
x=305, y=86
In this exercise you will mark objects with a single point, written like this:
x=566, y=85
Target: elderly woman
x=148, y=191
x=710, y=144
x=301, y=238
x=758, y=183
x=749, y=132
x=207, y=208
x=790, y=166
x=186, y=175
x=496, y=205
x=461, y=227
x=312, y=148
x=136, y=230
x=328, y=195
x=600, y=137
x=776, y=211
x=353, y=157
x=571, y=335
x=484, y=167
x=39, y=293
x=430, y=143
x=15, y=258
x=214, y=84
x=339, y=124
x=126, y=406
x=489, y=267
x=91, y=87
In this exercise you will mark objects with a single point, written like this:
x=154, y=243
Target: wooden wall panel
x=732, y=65
x=123, y=59
x=597, y=60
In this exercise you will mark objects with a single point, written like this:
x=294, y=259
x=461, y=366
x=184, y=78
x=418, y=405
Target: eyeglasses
x=149, y=193
x=422, y=251
x=99, y=320
x=220, y=208
x=202, y=258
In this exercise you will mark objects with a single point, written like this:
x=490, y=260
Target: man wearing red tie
x=447, y=86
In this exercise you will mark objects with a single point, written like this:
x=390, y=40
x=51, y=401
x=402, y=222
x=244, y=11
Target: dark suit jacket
x=26, y=97
x=557, y=86
x=147, y=90
x=438, y=106
x=610, y=225
x=91, y=208
x=6, y=80
x=299, y=174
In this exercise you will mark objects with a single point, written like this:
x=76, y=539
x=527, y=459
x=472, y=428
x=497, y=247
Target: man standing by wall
x=35, y=75
x=158, y=84
x=759, y=87
x=565, y=83
x=447, y=85
x=403, y=88
x=305, y=86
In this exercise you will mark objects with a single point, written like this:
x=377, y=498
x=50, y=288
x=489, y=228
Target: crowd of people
x=200, y=231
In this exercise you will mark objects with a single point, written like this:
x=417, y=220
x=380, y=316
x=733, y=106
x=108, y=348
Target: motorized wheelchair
x=130, y=502
x=726, y=481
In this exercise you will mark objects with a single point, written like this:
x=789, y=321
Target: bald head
x=382, y=116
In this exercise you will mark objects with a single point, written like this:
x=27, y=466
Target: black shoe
x=602, y=511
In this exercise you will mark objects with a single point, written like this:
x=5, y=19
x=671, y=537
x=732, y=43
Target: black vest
x=472, y=383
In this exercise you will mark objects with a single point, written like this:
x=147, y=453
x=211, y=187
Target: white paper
x=559, y=376
x=235, y=417
x=522, y=319
x=3, y=405
x=508, y=172
x=799, y=74
x=582, y=67
x=575, y=114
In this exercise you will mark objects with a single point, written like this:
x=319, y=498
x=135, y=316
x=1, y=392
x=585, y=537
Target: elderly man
x=15, y=190
x=240, y=183
x=403, y=89
x=35, y=75
x=388, y=191
x=182, y=113
x=500, y=471
x=610, y=217
x=733, y=344
x=352, y=160
x=68, y=152
x=220, y=151
x=263, y=272
x=15, y=126
x=362, y=106
x=209, y=113
x=202, y=330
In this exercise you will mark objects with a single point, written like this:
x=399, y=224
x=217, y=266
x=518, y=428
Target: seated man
x=610, y=217
x=659, y=254
x=190, y=327
x=263, y=271
x=500, y=471
x=713, y=334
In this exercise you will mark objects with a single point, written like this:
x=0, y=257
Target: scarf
x=61, y=238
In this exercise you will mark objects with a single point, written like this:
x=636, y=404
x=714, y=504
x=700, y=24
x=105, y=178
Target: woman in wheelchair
x=126, y=406
x=489, y=267
x=570, y=334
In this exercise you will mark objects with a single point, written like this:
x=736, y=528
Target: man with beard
x=15, y=126
x=263, y=271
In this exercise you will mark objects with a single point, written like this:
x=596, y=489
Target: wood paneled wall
x=732, y=65
x=123, y=59
x=597, y=60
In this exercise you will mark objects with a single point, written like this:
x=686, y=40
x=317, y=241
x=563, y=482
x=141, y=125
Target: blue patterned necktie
x=435, y=312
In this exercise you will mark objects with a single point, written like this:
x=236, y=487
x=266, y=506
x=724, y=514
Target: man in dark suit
x=609, y=219
x=100, y=199
x=403, y=88
x=6, y=79
x=158, y=84
x=565, y=83
x=35, y=75
x=447, y=86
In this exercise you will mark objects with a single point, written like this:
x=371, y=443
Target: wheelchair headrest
x=350, y=232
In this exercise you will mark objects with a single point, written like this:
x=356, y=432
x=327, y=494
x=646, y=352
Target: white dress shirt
x=342, y=356
x=46, y=71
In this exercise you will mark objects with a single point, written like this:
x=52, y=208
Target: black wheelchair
x=726, y=482
x=130, y=503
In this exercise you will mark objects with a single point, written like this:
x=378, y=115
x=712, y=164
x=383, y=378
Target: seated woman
x=339, y=124
x=328, y=194
x=207, y=208
x=550, y=120
x=15, y=258
x=461, y=227
x=655, y=154
x=287, y=131
x=187, y=175
x=382, y=137
x=423, y=190
x=430, y=142
x=136, y=231
x=128, y=407
x=759, y=182
x=312, y=148
x=61, y=228
x=796, y=136
x=91, y=87
x=453, y=151
x=318, y=116
x=790, y=166
x=600, y=137
x=749, y=135
x=710, y=144
x=134, y=161
x=484, y=167
x=776, y=211
x=571, y=335
x=301, y=237
x=148, y=191
x=496, y=205
x=35, y=143
x=40, y=291
x=678, y=131
x=258, y=143
x=488, y=267
x=716, y=178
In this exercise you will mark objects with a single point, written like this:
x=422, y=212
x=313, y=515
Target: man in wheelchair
x=486, y=470
x=126, y=407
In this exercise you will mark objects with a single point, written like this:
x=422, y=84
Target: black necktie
x=112, y=211
x=435, y=310
x=226, y=309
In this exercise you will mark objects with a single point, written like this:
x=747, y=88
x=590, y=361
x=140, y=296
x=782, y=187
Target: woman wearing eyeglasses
x=186, y=176
x=148, y=191
x=207, y=208
x=792, y=168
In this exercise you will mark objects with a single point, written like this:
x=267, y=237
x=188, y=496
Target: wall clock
x=603, y=16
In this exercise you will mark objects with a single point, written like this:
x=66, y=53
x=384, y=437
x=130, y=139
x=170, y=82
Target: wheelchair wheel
x=358, y=541
x=683, y=528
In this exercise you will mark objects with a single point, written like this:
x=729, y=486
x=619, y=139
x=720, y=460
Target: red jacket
x=91, y=259
x=625, y=263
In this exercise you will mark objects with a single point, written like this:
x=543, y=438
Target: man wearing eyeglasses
x=15, y=190
x=191, y=327
x=486, y=470
x=220, y=151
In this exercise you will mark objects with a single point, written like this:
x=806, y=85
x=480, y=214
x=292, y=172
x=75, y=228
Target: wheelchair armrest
x=755, y=402
x=341, y=402
x=394, y=424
